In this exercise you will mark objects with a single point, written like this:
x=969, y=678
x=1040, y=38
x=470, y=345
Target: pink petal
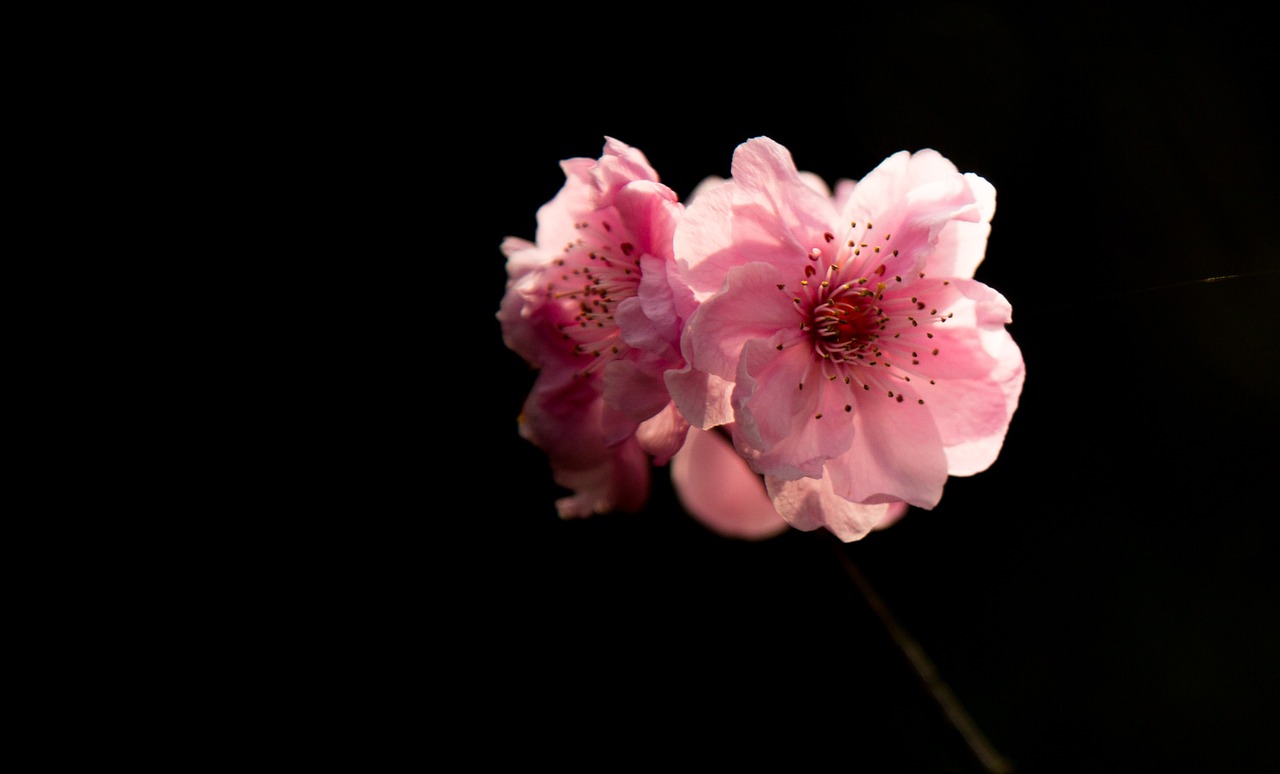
x=766, y=212
x=620, y=164
x=636, y=391
x=911, y=198
x=703, y=398
x=842, y=194
x=590, y=185
x=896, y=454
x=809, y=503
x=619, y=480
x=651, y=209
x=703, y=239
x=662, y=435
x=791, y=430
x=896, y=511
x=519, y=332
x=778, y=198
x=978, y=373
x=563, y=416
x=962, y=244
x=703, y=186
x=652, y=319
x=816, y=182
x=750, y=307
x=522, y=256
x=973, y=417
x=717, y=488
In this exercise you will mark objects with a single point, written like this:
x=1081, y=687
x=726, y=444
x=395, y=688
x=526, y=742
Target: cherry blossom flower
x=842, y=340
x=591, y=306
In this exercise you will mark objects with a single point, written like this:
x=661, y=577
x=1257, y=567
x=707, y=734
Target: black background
x=1104, y=598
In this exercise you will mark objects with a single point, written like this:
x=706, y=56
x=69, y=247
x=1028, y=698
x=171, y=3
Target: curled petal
x=962, y=244
x=703, y=398
x=654, y=205
x=662, y=434
x=809, y=503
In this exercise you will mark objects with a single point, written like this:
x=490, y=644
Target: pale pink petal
x=662, y=434
x=751, y=306
x=896, y=511
x=717, y=488
x=653, y=333
x=620, y=164
x=781, y=199
x=706, y=184
x=519, y=333
x=955, y=349
x=726, y=228
x=651, y=320
x=703, y=398
x=910, y=199
x=896, y=453
x=590, y=185
x=652, y=211
x=809, y=503
x=973, y=416
x=963, y=244
x=765, y=213
x=522, y=256
x=556, y=218
x=764, y=167
x=843, y=192
x=703, y=240
x=979, y=374
x=978, y=370
x=815, y=182
x=616, y=425
x=791, y=429
x=884, y=186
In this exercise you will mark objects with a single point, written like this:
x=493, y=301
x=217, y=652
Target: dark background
x=1104, y=598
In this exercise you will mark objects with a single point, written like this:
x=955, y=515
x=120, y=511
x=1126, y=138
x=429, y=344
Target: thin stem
x=986, y=755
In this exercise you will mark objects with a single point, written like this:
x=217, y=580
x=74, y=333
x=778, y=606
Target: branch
x=986, y=755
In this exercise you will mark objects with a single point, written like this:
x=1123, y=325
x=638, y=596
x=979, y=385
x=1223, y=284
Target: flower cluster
x=795, y=354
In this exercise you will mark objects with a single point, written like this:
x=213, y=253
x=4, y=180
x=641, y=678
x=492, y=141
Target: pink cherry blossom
x=843, y=338
x=590, y=304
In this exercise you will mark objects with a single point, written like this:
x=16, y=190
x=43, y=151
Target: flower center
x=596, y=272
x=841, y=314
x=868, y=332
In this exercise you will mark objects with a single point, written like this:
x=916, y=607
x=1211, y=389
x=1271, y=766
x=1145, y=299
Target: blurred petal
x=717, y=488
